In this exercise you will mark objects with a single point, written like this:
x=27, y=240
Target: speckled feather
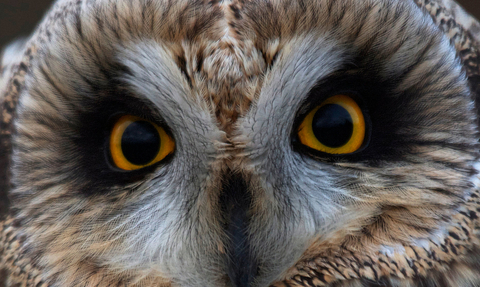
x=228, y=88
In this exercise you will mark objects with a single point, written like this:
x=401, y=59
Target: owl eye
x=137, y=143
x=336, y=126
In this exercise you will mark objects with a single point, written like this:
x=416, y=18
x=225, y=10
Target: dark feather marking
x=182, y=64
x=78, y=22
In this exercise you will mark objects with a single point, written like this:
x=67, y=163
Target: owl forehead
x=226, y=72
x=222, y=48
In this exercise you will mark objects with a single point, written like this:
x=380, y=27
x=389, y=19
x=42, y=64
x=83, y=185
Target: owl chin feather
x=233, y=171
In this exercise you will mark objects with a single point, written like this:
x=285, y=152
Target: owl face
x=199, y=143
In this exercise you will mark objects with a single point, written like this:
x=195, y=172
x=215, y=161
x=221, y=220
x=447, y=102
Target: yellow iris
x=136, y=143
x=336, y=126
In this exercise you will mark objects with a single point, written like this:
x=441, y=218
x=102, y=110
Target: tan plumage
x=239, y=203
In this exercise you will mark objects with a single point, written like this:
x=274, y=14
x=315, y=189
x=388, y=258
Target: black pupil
x=140, y=142
x=332, y=125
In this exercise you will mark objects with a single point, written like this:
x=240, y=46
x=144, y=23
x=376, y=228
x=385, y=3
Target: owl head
x=242, y=143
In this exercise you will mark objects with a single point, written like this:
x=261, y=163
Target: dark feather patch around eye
x=385, y=114
x=89, y=143
x=397, y=120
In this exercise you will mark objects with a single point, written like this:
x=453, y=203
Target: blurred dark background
x=19, y=17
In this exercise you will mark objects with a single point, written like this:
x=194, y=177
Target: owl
x=242, y=144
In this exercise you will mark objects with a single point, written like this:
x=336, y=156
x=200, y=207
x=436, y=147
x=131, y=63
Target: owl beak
x=236, y=202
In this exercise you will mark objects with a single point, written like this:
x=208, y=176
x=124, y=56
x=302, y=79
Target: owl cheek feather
x=236, y=201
